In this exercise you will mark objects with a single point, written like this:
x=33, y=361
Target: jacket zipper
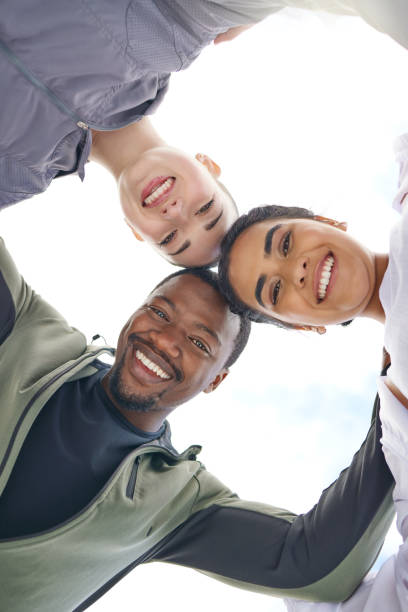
x=146, y=449
x=33, y=79
x=130, y=489
x=31, y=402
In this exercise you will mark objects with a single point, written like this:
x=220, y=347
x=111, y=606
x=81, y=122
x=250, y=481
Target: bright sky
x=299, y=110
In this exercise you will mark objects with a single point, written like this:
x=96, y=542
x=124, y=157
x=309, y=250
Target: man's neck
x=150, y=421
x=117, y=149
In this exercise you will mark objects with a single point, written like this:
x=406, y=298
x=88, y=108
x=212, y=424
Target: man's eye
x=159, y=313
x=275, y=293
x=204, y=208
x=168, y=238
x=199, y=344
x=286, y=243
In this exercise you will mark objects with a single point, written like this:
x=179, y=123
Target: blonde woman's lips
x=157, y=190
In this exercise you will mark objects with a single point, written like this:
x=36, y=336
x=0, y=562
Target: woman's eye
x=286, y=243
x=168, y=238
x=199, y=344
x=204, y=208
x=275, y=293
x=159, y=313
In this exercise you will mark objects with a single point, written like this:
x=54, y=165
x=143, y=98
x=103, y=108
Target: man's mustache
x=135, y=338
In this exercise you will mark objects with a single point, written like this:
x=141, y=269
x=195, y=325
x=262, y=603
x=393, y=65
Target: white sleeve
x=401, y=156
x=255, y=10
x=394, y=298
x=388, y=590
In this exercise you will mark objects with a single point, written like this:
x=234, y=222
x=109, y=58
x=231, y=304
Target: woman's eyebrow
x=258, y=289
x=268, y=239
x=214, y=222
x=187, y=243
x=183, y=247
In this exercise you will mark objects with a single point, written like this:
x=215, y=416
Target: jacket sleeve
x=21, y=306
x=388, y=590
x=13, y=293
x=321, y=555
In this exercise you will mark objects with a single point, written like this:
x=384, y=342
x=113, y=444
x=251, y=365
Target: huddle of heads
x=278, y=265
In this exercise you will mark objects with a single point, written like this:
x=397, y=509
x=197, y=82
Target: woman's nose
x=174, y=210
x=300, y=271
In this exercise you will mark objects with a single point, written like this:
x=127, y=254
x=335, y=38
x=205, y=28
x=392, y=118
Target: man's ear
x=134, y=232
x=342, y=225
x=210, y=164
x=217, y=380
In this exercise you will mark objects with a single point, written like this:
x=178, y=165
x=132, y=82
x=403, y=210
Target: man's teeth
x=158, y=191
x=152, y=366
x=325, y=277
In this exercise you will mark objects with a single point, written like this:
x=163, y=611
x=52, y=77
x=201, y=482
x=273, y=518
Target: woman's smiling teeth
x=158, y=191
x=325, y=277
x=153, y=367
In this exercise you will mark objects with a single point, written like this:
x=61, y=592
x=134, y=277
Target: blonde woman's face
x=176, y=204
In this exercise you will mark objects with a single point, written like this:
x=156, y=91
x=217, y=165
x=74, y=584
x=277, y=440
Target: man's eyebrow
x=183, y=247
x=268, y=239
x=209, y=331
x=167, y=300
x=258, y=289
x=210, y=225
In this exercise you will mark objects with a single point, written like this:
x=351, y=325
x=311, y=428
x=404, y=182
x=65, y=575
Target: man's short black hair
x=211, y=278
x=256, y=215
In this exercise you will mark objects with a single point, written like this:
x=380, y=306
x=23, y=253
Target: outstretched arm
x=321, y=555
x=386, y=16
x=388, y=590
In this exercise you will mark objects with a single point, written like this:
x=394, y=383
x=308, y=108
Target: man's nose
x=174, y=210
x=167, y=340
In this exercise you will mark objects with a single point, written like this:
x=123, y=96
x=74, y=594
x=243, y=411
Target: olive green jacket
x=161, y=505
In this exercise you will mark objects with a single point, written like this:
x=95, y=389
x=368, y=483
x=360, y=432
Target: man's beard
x=124, y=397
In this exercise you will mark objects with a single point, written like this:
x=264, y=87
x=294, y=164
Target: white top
x=394, y=288
x=387, y=591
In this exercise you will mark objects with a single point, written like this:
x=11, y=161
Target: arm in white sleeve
x=388, y=590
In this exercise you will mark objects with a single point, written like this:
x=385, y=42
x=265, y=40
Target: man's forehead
x=181, y=288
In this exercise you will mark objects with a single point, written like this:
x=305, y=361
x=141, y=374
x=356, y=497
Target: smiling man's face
x=176, y=204
x=173, y=347
x=302, y=271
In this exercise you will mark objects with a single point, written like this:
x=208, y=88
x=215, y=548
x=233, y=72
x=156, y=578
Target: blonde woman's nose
x=174, y=209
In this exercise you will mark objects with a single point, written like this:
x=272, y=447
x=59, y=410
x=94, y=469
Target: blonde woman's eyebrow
x=214, y=222
x=183, y=247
